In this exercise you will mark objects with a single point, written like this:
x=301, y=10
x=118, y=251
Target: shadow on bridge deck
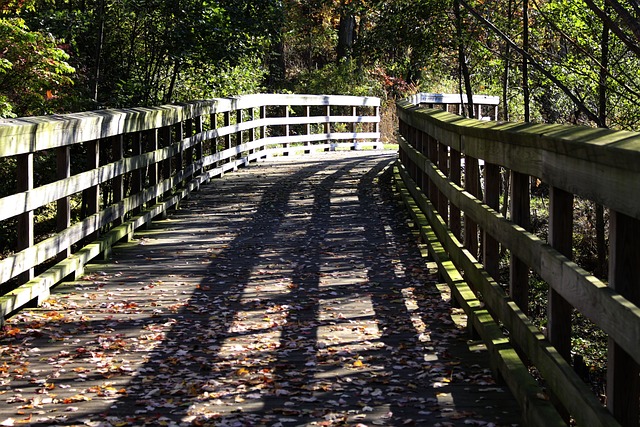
x=288, y=293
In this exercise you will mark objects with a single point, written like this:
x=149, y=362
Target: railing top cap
x=452, y=98
x=28, y=134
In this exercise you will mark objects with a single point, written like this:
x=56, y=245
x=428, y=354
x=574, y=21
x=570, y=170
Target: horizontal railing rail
x=450, y=175
x=86, y=180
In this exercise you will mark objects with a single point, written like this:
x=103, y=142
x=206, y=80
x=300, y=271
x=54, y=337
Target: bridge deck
x=288, y=293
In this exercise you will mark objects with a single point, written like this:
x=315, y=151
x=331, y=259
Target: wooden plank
x=583, y=161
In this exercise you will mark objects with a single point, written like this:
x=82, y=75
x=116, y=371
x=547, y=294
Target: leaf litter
x=287, y=294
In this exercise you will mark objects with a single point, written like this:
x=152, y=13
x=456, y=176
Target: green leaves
x=39, y=70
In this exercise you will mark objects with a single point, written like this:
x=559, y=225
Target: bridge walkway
x=291, y=292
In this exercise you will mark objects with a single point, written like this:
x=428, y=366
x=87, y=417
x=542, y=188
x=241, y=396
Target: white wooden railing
x=131, y=165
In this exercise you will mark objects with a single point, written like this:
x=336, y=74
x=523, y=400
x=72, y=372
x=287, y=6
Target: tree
x=33, y=70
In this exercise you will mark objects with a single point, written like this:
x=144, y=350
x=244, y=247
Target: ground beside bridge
x=289, y=293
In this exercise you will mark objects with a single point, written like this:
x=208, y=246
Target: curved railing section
x=110, y=172
x=450, y=175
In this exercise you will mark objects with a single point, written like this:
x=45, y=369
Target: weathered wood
x=163, y=163
x=455, y=222
x=63, y=205
x=491, y=247
x=520, y=213
x=583, y=161
x=443, y=165
x=471, y=184
x=117, y=152
x=560, y=377
x=623, y=372
x=25, y=219
x=91, y=196
x=612, y=312
x=560, y=238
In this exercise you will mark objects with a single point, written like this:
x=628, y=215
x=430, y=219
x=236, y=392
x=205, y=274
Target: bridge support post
x=623, y=373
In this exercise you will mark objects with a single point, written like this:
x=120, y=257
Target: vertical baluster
x=238, y=134
x=455, y=175
x=443, y=165
x=491, y=247
x=520, y=213
x=471, y=184
x=199, y=148
x=189, y=152
x=117, y=150
x=25, y=220
x=307, y=143
x=152, y=145
x=92, y=200
x=63, y=205
x=623, y=383
x=167, y=164
x=354, y=113
x=137, y=176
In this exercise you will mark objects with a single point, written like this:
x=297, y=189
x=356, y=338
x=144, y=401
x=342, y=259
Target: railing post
x=189, y=166
x=238, y=135
x=137, y=176
x=432, y=154
x=199, y=148
x=354, y=113
x=327, y=127
x=152, y=145
x=167, y=140
x=520, y=213
x=443, y=165
x=63, y=205
x=455, y=175
x=623, y=381
x=491, y=247
x=560, y=238
x=227, y=138
x=25, y=220
x=376, y=126
x=287, y=130
x=471, y=184
x=180, y=155
x=92, y=200
x=117, y=150
x=308, y=129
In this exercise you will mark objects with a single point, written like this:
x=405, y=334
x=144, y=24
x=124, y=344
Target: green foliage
x=345, y=78
x=33, y=70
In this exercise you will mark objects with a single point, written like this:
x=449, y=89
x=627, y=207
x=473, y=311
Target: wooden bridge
x=292, y=291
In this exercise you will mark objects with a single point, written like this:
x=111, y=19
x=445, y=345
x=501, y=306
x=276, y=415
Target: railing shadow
x=301, y=315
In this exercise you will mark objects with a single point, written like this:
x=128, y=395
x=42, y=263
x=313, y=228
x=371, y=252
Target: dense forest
x=549, y=60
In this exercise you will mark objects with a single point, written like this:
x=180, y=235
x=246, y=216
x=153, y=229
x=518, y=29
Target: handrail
x=440, y=151
x=139, y=162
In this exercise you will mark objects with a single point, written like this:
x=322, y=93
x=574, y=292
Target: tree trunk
x=462, y=60
x=346, y=35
